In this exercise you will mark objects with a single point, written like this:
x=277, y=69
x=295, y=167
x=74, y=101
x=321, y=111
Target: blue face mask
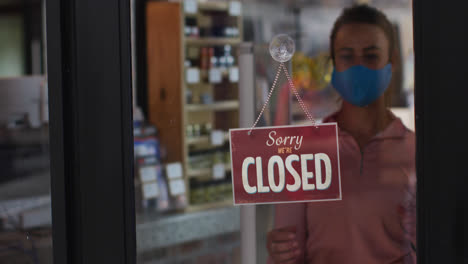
x=360, y=85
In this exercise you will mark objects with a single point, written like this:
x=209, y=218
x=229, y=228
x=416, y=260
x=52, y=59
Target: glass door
x=213, y=64
x=317, y=28
x=25, y=190
x=147, y=180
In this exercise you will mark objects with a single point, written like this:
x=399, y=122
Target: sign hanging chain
x=268, y=98
x=304, y=108
x=291, y=84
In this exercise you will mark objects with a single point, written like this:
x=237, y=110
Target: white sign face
x=150, y=190
x=235, y=8
x=148, y=173
x=174, y=170
x=215, y=75
x=190, y=6
x=177, y=187
x=217, y=137
x=234, y=74
x=219, y=171
x=193, y=75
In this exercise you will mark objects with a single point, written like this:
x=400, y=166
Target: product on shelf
x=206, y=98
x=206, y=129
x=195, y=127
x=210, y=191
x=176, y=183
x=148, y=168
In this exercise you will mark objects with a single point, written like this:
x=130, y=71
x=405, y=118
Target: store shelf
x=203, y=140
x=218, y=106
x=193, y=173
x=210, y=6
x=165, y=20
x=201, y=84
x=212, y=41
x=213, y=6
x=204, y=74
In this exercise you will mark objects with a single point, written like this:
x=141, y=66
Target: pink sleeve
x=408, y=214
x=290, y=214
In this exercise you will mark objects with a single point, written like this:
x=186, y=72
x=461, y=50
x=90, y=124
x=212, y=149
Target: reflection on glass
x=188, y=92
x=375, y=221
x=25, y=210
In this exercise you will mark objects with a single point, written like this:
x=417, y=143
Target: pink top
x=376, y=220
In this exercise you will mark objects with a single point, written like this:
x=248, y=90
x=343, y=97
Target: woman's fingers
x=284, y=246
x=277, y=235
x=286, y=257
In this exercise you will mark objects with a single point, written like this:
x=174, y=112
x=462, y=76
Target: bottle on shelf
x=227, y=50
x=196, y=130
x=191, y=28
x=207, y=127
x=222, y=63
x=204, y=58
x=210, y=56
x=231, y=32
x=213, y=62
x=188, y=96
x=195, y=32
x=189, y=131
x=206, y=98
x=187, y=30
x=230, y=61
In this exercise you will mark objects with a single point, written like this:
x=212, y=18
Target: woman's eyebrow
x=345, y=49
x=371, y=48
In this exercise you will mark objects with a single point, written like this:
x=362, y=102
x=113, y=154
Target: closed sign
x=285, y=164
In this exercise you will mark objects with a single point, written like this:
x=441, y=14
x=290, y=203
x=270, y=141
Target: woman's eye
x=346, y=57
x=371, y=57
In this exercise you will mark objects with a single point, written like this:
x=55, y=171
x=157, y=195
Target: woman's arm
x=290, y=216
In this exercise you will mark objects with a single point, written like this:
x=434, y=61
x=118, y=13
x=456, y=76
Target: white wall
x=12, y=55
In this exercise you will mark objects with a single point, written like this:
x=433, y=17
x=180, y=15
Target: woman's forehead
x=360, y=36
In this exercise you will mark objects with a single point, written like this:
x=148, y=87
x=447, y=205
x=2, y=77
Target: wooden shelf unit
x=194, y=173
x=168, y=107
x=217, y=106
x=203, y=140
x=212, y=41
x=214, y=6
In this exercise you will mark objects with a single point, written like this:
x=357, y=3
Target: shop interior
x=191, y=58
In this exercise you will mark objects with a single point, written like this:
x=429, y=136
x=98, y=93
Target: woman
x=375, y=221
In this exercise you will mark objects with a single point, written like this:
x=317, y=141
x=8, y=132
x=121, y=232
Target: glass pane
x=186, y=90
x=25, y=207
x=375, y=221
x=191, y=60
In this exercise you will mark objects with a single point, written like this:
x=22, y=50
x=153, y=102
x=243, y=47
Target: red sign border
x=289, y=126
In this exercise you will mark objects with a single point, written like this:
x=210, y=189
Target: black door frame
x=91, y=137
x=90, y=104
x=441, y=122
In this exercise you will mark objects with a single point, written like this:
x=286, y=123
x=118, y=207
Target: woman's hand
x=282, y=245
